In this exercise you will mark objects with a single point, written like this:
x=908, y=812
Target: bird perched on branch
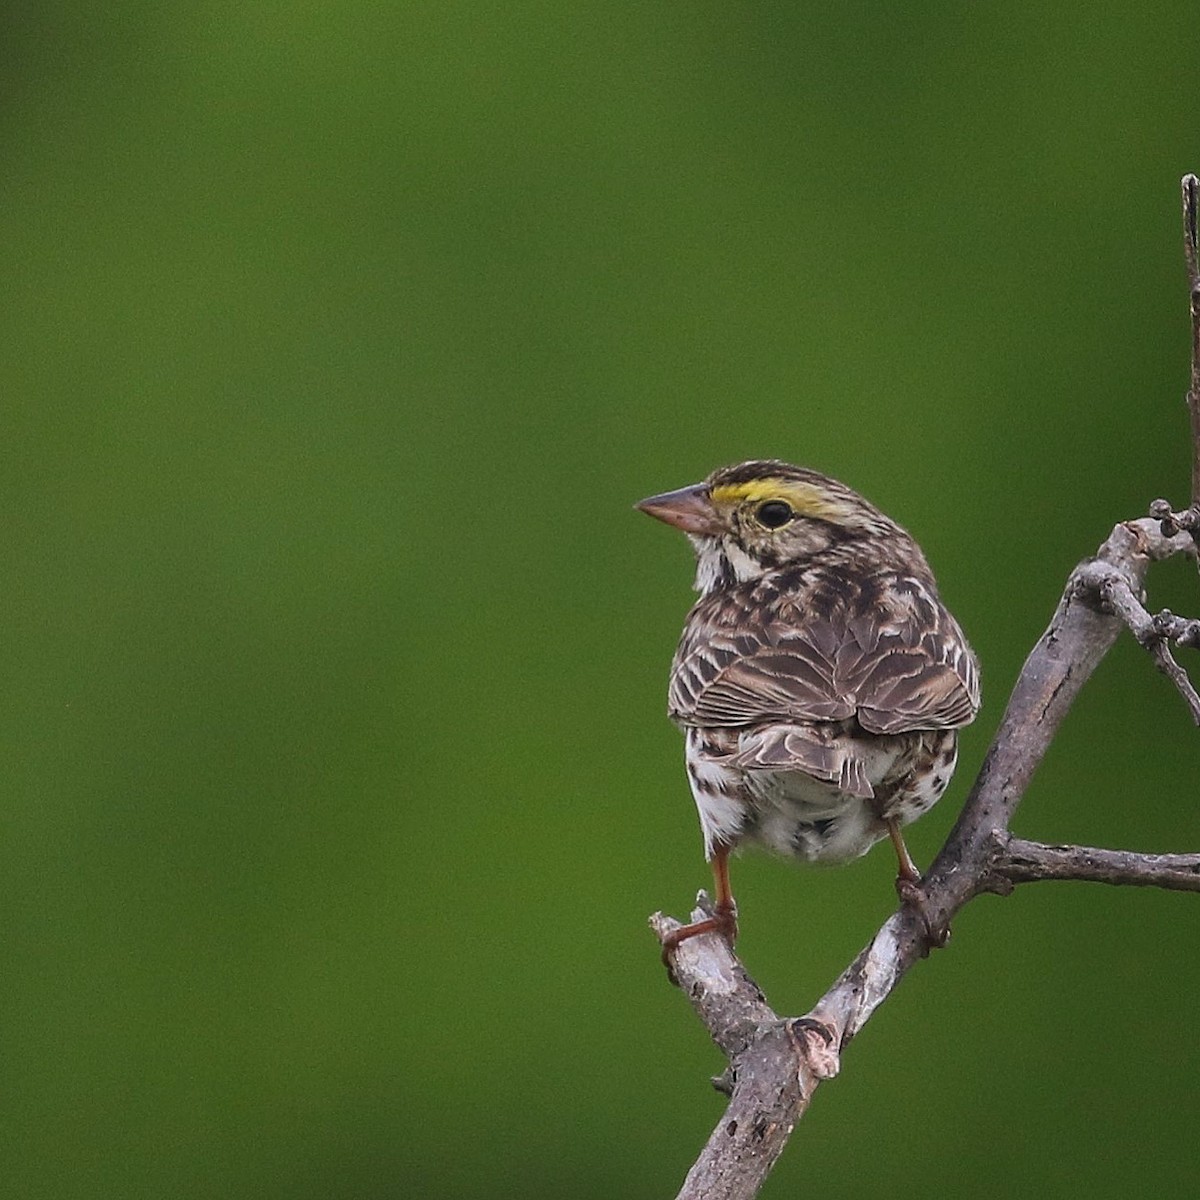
x=819, y=681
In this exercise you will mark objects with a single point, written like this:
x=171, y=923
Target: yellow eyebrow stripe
x=805, y=499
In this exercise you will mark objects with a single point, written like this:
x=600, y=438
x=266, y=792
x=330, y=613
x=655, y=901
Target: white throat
x=719, y=558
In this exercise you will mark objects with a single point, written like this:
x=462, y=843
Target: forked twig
x=1155, y=634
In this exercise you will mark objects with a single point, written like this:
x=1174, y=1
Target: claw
x=912, y=894
x=722, y=921
x=910, y=891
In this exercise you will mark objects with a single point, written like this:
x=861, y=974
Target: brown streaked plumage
x=819, y=680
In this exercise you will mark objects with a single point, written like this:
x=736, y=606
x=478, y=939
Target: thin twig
x=1160, y=510
x=1152, y=635
x=1182, y=631
x=1021, y=861
x=1190, y=190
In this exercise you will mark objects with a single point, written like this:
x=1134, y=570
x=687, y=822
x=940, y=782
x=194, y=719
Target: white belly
x=794, y=814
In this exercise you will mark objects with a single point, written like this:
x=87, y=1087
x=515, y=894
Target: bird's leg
x=908, y=885
x=907, y=875
x=724, y=917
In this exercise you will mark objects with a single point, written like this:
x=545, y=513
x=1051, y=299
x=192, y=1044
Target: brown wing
x=888, y=653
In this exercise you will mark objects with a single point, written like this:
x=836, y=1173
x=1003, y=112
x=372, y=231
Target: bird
x=819, y=681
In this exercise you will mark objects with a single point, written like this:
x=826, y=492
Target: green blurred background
x=340, y=341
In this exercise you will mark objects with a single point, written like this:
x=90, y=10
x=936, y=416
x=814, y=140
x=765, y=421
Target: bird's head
x=758, y=516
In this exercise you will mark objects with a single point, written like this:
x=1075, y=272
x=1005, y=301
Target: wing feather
x=890, y=654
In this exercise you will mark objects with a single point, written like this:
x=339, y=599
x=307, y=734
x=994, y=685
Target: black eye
x=774, y=514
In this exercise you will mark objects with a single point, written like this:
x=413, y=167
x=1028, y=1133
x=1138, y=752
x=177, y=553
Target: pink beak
x=688, y=509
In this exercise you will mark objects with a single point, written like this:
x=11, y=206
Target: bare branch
x=1160, y=510
x=769, y=1083
x=724, y=996
x=1021, y=861
x=1190, y=188
x=1080, y=633
x=1155, y=635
